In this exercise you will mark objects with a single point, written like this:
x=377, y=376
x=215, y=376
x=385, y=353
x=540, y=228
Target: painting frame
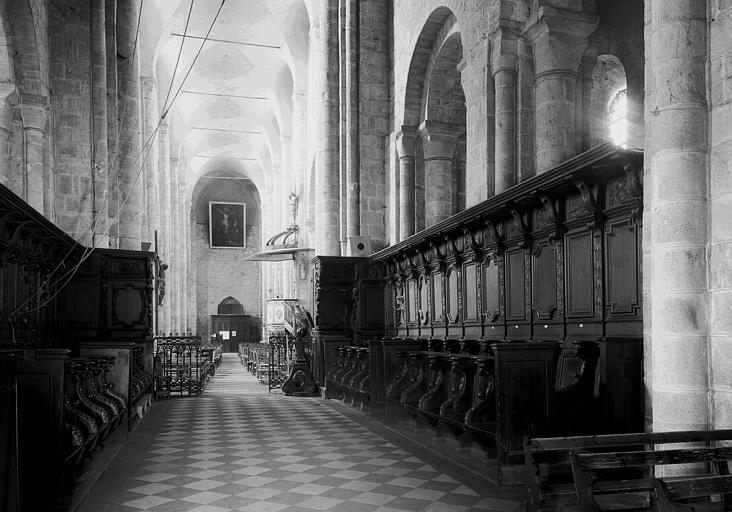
x=227, y=225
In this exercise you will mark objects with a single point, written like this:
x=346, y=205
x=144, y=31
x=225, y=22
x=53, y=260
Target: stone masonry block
x=722, y=408
x=720, y=306
x=721, y=215
x=675, y=128
x=683, y=269
x=721, y=120
x=680, y=409
x=720, y=361
x=675, y=313
x=680, y=222
x=679, y=175
x=720, y=270
x=680, y=361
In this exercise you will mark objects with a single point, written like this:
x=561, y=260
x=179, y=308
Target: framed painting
x=226, y=225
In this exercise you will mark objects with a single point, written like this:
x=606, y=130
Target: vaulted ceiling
x=232, y=109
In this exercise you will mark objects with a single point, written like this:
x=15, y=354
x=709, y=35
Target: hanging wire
x=147, y=147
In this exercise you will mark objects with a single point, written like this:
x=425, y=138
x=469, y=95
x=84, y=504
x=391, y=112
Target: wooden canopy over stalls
x=520, y=315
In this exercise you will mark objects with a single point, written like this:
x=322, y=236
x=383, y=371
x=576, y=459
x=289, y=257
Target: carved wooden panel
x=622, y=295
x=470, y=287
x=515, y=289
x=438, y=311
x=80, y=307
x=453, y=304
x=491, y=291
x=525, y=376
x=424, y=302
x=412, y=298
x=389, y=305
x=372, y=304
x=579, y=272
x=401, y=304
x=128, y=306
x=544, y=292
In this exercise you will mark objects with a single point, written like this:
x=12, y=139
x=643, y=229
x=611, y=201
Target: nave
x=236, y=447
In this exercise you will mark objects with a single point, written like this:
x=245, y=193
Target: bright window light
x=617, y=117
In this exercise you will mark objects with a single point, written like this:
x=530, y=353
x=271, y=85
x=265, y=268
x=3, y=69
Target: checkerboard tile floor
x=238, y=448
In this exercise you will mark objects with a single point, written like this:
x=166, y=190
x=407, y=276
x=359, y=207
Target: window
x=617, y=119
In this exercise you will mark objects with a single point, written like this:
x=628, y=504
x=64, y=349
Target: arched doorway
x=231, y=326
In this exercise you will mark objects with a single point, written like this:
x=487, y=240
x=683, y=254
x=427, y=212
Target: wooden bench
x=549, y=472
x=588, y=470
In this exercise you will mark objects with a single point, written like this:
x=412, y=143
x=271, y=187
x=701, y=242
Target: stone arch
x=442, y=123
x=30, y=75
x=423, y=50
x=443, y=97
x=608, y=78
x=295, y=48
x=7, y=71
x=230, y=306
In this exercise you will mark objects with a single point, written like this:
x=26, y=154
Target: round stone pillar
x=405, y=140
x=35, y=116
x=165, y=220
x=130, y=192
x=6, y=114
x=176, y=259
x=559, y=38
x=352, y=142
x=183, y=222
x=505, y=86
x=100, y=169
x=438, y=142
x=676, y=305
x=150, y=156
x=327, y=177
x=299, y=137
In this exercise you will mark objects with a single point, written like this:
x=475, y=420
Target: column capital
x=147, y=81
x=8, y=99
x=35, y=112
x=559, y=36
x=504, y=47
x=405, y=139
x=439, y=139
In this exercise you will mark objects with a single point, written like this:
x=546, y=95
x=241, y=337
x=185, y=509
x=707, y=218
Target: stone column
x=100, y=169
x=110, y=19
x=676, y=306
x=720, y=252
x=299, y=149
x=129, y=145
x=35, y=115
x=6, y=114
x=405, y=140
x=327, y=184
x=353, y=169
x=151, y=156
x=503, y=65
x=192, y=274
x=559, y=38
x=438, y=142
x=459, y=180
x=183, y=229
x=165, y=220
x=176, y=259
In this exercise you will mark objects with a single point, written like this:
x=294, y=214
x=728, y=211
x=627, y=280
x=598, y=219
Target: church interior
x=365, y=255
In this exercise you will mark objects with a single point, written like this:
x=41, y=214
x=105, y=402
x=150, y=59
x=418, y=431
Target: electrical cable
x=148, y=145
x=177, y=60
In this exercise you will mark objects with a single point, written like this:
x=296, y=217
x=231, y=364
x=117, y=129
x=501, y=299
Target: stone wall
x=720, y=199
x=221, y=273
x=71, y=104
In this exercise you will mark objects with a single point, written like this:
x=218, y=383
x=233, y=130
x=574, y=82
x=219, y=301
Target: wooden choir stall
x=75, y=352
x=518, y=316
